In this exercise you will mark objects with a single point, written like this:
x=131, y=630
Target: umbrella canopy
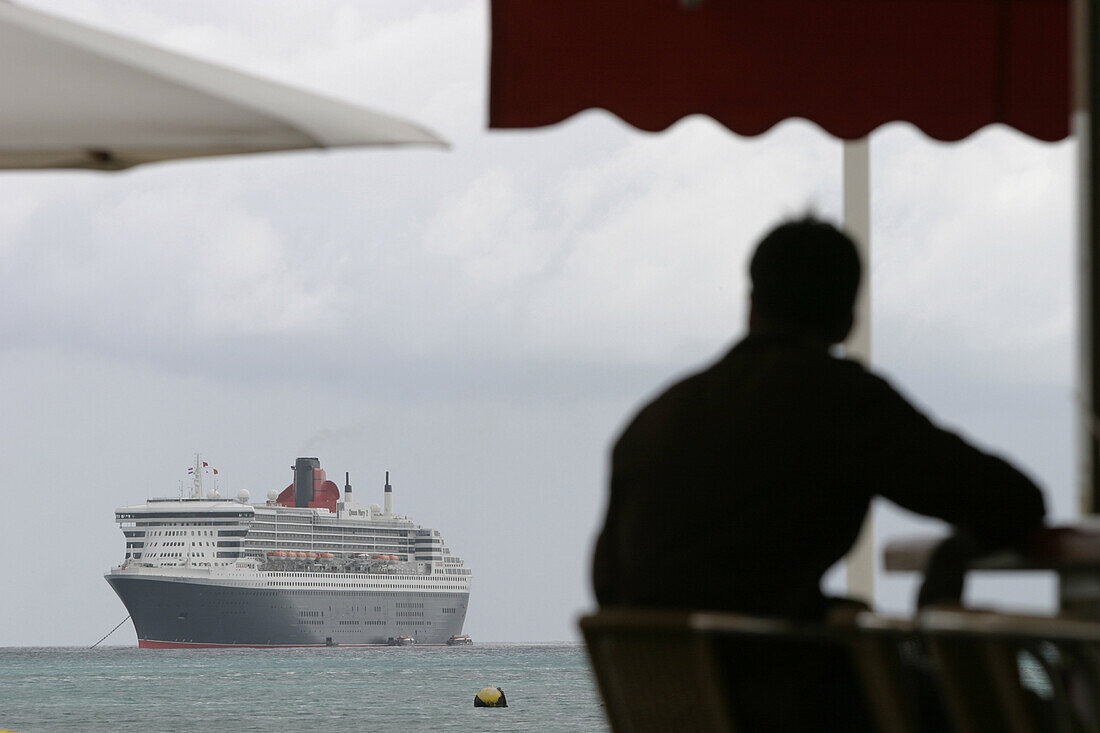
x=76, y=97
x=947, y=66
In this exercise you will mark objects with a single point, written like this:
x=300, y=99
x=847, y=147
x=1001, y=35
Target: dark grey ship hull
x=184, y=612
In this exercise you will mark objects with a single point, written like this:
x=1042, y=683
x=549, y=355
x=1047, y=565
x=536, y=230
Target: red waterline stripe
x=151, y=644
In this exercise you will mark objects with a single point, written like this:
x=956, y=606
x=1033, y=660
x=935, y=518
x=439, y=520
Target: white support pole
x=857, y=221
x=1086, y=95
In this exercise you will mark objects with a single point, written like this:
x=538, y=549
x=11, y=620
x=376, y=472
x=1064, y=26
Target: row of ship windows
x=328, y=583
x=319, y=531
x=220, y=543
x=267, y=525
x=359, y=585
x=151, y=555
x=324, y=536
x=329, y=533
x=257, y=551
x=283, y=543
x=172, y=533
x=177, y=515
x=341, y=576
x=303, y=543
x=224, y=523
x=307, y=537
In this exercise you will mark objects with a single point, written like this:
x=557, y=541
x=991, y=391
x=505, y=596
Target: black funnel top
x=303, y=480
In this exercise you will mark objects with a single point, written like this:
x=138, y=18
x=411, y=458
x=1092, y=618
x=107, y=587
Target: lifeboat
x=312, y=555
x=327, y=555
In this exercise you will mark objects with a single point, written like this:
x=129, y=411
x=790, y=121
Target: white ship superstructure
x=308, y=567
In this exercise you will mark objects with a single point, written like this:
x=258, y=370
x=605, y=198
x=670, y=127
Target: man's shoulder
x=748, y=372
x=672, y=404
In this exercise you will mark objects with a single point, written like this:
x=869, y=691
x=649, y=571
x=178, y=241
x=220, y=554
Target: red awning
x=949, y=67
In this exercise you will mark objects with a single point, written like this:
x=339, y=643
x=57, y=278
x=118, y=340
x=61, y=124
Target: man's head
x=805, y=275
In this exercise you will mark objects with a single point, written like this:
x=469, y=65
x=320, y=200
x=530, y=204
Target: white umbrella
x=77, y=97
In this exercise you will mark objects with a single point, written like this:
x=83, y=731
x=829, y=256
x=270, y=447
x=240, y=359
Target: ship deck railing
x=973, y=671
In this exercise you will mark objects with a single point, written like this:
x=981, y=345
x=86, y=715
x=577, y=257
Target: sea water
x=549, y=687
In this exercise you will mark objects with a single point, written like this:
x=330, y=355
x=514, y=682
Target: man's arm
x=934, y=472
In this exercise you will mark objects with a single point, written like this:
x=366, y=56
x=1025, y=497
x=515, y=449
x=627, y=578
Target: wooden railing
x=949, y=669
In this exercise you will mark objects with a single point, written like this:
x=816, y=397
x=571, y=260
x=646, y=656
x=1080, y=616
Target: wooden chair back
x=1020, y=674
x=666, y=671
x=655, y=672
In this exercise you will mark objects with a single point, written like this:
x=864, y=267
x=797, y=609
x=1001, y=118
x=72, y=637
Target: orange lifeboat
x=311, y=554
x=327, y=555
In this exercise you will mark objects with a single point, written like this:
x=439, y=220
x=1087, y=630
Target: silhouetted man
x=739, y=486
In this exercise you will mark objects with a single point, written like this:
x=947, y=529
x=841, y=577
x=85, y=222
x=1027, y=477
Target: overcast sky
x=479, y=322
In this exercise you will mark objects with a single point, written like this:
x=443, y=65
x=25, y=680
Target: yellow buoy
x=490, y=697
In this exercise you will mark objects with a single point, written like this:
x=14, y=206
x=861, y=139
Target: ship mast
x=196, y=481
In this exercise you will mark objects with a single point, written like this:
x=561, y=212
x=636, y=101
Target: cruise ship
x=307, y=568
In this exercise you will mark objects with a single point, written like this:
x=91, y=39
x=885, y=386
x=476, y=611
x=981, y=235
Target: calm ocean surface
x=549, y=688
